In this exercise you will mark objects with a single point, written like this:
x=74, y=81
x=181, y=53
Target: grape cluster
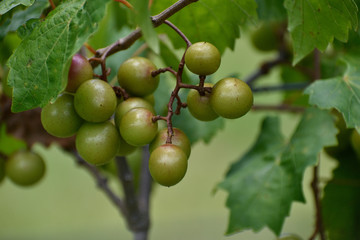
x=110, y=123
x=23, y=167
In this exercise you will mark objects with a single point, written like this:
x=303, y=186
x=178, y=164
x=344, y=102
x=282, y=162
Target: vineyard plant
x=127, y=88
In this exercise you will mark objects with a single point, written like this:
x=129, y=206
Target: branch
x=319, y=227
x=134, y=218
x=126, y=42
x=283, y=87
x=281, y=107
x=102, y=184
x=264, y=69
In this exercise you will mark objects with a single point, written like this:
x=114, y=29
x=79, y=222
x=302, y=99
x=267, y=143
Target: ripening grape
x=25, y=168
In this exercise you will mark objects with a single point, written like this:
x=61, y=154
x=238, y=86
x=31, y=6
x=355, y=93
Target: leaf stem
x=280, y=107
x=282, y=87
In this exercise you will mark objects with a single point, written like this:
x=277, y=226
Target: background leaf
x=267, y=179
x=341, y=211
x=271, y=10
x=342, y=93
x=7, y=5
x=212, y=21
x=315, y=24
x=22, y=16
x=39, y=66
x=142, y=18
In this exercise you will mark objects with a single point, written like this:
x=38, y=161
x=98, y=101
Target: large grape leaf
x=341, y=210
x=342, y=93
x=22, y=16
x=142, y=18
x=209, y=20
x=267, y=179
x=39, y=66
x=315, y=23
x=7, y=5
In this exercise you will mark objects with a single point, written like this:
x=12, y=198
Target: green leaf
x=267, y=179
x=9, y=144
x=142, y=18
x=270, y=10
x=315, y=23
x=7, y=5
x=341, y=211
x=212, y=21
x=342, y=93
x=39, y=66
x=27, y=28
x=22, y=16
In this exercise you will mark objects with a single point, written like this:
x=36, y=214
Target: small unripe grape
x=178, y=139
x=266, y=38
x=25, y=168
x=168, y=164
x=60, y=118
x=97, y=143
x=2, y=169
x=231, y=98
x=137, y=127
x=202, y=58
x=134, y=76
x=199, y=106
x=129, y=104
x=95, y=101
x=80, y=71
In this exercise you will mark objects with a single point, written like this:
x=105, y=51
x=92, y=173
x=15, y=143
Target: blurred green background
x=68, y=205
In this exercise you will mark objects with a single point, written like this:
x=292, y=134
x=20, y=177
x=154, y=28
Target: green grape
x=95, y=101
x=25, y=168
x=2, y=169
x=199, y=106
x=266, y=37
x=137, y=127
x=60, y=118
x=178, y=139
x=231, y=98
x=134, y=75
x=129, y=104
x=79, y=72
x=125, y=148
x=168, y=164
x=202, y=58
x=97, y=143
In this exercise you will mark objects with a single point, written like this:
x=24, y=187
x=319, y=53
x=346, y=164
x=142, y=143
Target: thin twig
x=280, y=107
x=282, y=87
x=127, y=41
x=265, y=68
x=102, y=184
x=177, y=30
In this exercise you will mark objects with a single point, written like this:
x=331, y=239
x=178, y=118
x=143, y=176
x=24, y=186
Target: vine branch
x=127, y=41
x=102, y=183
x=319, y=224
